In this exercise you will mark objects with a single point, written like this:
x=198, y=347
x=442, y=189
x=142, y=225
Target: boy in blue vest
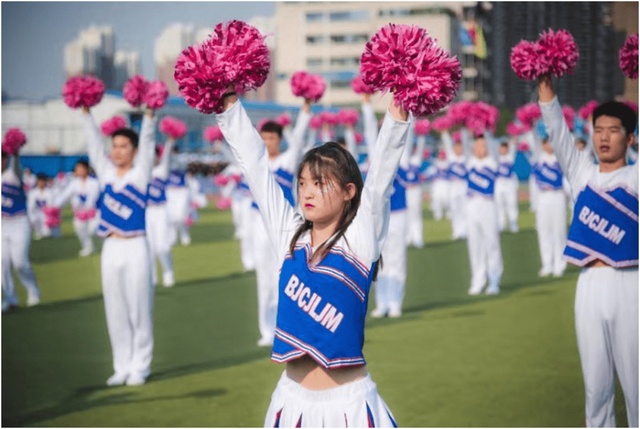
x=603, y=240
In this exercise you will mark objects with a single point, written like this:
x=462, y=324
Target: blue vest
x=122, y=212
x=605, y=227
x=548, y=177
x=481, y=182
x=82, y=198
x=457, y=171
x=285, y=180
x=505, y=170
x=155, y=191
x=441, y=174
x=177, y=179
x=322, y=308
x=399, y=193
x=14, y=200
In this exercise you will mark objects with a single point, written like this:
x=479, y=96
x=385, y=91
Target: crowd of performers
x=314, y=217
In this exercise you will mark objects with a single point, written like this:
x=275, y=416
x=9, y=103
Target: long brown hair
x=333, y=163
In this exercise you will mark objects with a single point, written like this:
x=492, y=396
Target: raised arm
x=165, y=160
x=147, y=143
x=370, y=125
x=406, y=154
x=416, y=158
x=293, y=155
x=95, y=146
x=311, y=141
x=61, y=198
x=250, y=152
x=350, y=140
x=467, y=142
x=493, y=145
x=447, y=143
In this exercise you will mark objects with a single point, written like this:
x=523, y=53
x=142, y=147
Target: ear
x=350, y=191
x=631, y=139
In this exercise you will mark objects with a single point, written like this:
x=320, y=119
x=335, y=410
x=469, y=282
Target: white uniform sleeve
x=293, y=155
x=416, y=158
x=447, y=142
x=31, y=205
x=325, y=135
x=493, y=145
x=248, y=148
x=406, y=154
x=370, y=126
x=467, y=142
x=63, y=197
x=367, y=233
x=146, y=146
x=311, y=141
x=165, y=160
x=350, y=140
x=512, y=150
x=95, y=146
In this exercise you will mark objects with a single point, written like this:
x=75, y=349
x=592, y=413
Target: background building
x=125, y=64
x=91, y=53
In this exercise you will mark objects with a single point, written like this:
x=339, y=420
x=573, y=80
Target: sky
x=34, y=34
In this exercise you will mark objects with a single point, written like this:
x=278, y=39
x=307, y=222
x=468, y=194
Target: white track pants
x=16, y=243
x=533, y=194
x=246, y=235
x=506, y=195
x=606, y=310
x=128, y=303
x=551, y=225
x=393, y=275
x=157, y=228
x=483, y=243
x=458, y=203
x=84, y=230
x=236, y=214
x=179, y=205
x=439, y=198
x=267, y=273
x=414, y=213
x=40, y=229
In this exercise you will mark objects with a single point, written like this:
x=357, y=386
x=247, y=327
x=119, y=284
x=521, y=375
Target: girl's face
x=322, y=203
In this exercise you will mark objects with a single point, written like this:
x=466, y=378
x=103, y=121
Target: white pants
x=85, y=229
x=40, y=229
x=16, y=242
x=606, y=310
x=439, y=198
x=506, y=195
x=157, y=228
x=267, y=273
x=483, y=243
x=551, y=225
x=236, y=214
x=393, y=275
x=128, y=303
x=458, y=203
x=414, y=212
x=246, y=234
x=179, y=205
x=350, y=405
x=533, y=194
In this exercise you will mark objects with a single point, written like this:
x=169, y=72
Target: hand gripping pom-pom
x=405, y=60
x=348, y=117
x=629, y=57
x=359, y=87
x=284, y=120
x=156, y=95
x=173, y=127
x=235, y=54
x=558, y=53
x=212, y=133
x=308, y=86
x=525, y=60
x=586, y=110
x=569, y=116
x=82, y=91
x=422, y=127
x=359, y=137
x=13, y=140
x=315, y=122
x=112, y=125
x=134, y=90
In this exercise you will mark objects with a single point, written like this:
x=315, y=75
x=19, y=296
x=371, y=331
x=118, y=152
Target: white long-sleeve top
x=14, y=199
x=366, y=234
x=37, y=199
x=83, y=194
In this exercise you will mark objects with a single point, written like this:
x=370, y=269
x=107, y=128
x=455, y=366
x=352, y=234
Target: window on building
x=349, y=15
x=314, y=62
x=340, y=84
x=315, y=16
x=315, y=40
x=345, y=62
x=349, y=38
x=281, y=76
x=413, y=11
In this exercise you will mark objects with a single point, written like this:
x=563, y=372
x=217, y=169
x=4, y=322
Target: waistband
x=345, y=392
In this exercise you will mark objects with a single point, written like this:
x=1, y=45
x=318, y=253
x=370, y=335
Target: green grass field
x=452, y=360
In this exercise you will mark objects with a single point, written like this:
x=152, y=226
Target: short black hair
x=83, y=162
x=128, y=133
x=341, y=141
x=42, y=176
x=272, y=127
x=618, y=110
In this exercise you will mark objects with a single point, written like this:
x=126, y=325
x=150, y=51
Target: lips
x=308, y=206
x=604, y=148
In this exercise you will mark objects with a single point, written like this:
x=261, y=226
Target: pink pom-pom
x=586, y=110
x=156, y=95
x=515, y=128
x=315, y=122
x=442, y=123
x=558, y=53
x=523, y=147
x=528, y=114
x=359, y=87
x=212, y=133
x=482, y=116
x=221, y=180
x=52, y=216
x=422, y=127
x=426, y=154
x=442, y=155
x=235, y=54
x=458, y=112
x=85, y=215
x=359, y=137
x=569, y=116
x=525, y=60
x=173, y=127
x=348, y=117
x=329, y=118
x=629, y=57
x=236, y=178
x=188, y=221
x=13, y=140
x=223, y=203
x=284, y=120
x=457, y=137
x=405, y=59
x=82, y=91
x=134, y=90
x=112, y=125
x=309, y=86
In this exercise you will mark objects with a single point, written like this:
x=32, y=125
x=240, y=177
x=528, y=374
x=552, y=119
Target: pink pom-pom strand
x=329, y=118
x=442, y=123
x=213, y=133
x=558, y=53
x=359, y=137
x=359, y=87
x=308, y=86
x=458, y=112
x=587, y=110
x=284, y=120
x=569, y=116
x=516, y=128
x=112, y=125
x=525, y=60
x=457, y=137
x=523, y=147
x=223, y=203
x=528, y=114
x=156, y=94
x=422, y=127
x=134, y=90
x=221, y=180
x=315, y=122
x=236, y=178
x=348, y=117
x=426, y=154
x=83, y=91
x=52, y=216
x=235, y=54
x=404, y=59
x=629, y=57
x=13, y=140
x=173, y=127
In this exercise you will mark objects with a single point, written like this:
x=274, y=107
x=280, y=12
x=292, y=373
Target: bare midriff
x=597, y=264
x=306, y=372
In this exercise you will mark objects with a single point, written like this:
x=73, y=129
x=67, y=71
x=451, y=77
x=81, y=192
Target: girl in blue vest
x=125, y=269
x=16, y=236
x=328, y=256
x=603, y=240
x=178, y=202
x=507, y=187
x=457, y=175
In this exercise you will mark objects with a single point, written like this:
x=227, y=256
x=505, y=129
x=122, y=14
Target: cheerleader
x=440, y=189
x=16, y=236
x=125, y=269
x=506, y=190
x=37, y=199
x=83, y=192
x=178, y=203
x=458, y=185
x=29, y=180
x=337, y=245
x=415, y=196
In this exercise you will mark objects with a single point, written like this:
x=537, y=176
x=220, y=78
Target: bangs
x=321, y=168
